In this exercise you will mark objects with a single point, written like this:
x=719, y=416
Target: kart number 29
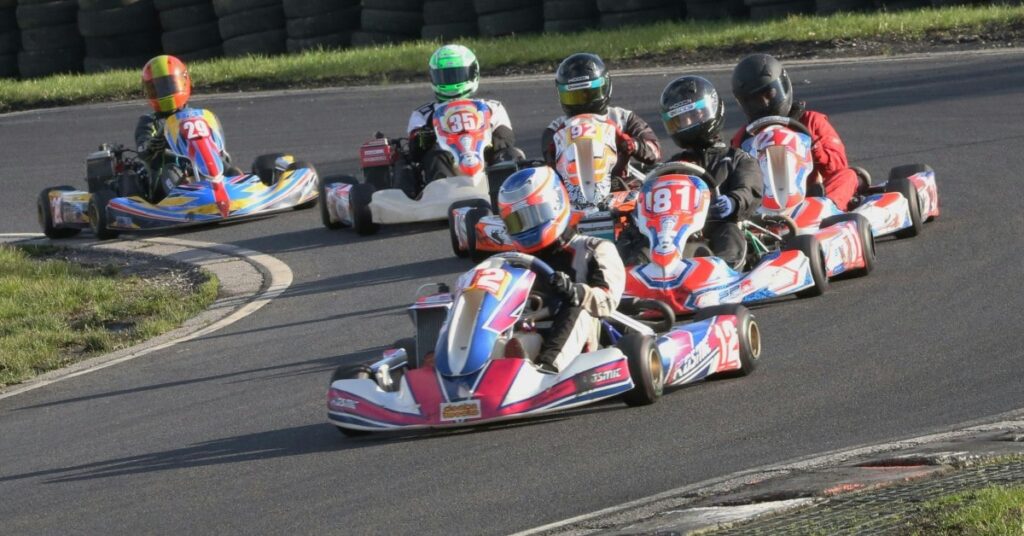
x=196, y=128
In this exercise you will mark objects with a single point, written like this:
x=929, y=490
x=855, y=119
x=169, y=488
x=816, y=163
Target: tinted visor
x=454, y=75
x=164, y=86
x=529, y=217
x=682, y=117
x=767, y=100
x=579, y=93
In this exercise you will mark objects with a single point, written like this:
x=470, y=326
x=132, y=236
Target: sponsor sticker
x=460, y=411
x=603, y=376
x=342, y=404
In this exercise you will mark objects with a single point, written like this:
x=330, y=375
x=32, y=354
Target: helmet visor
x=164, y=86
x=686, y=115
x=528, y=217
x=579, y=93
x=454, y=75
x=767, y=100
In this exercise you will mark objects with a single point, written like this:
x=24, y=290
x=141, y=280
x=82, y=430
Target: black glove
x=425, y=138
x=155, y=144
x=565, y=288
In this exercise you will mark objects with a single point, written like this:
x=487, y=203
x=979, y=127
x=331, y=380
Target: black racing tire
x=638, y=18
x=99, y=65
x=118, y=46
x=36, y=64
x=44, y=38
x=906, y=188
x=715, y=9
x=187, y=16
x=252, y=21
x=191, y=39
x=97, y=210
x=106, y=22
x=45, y=216
x=448, y=11
x=472, y=218
x=624, y=6
x=475, y=203
x=325, y=215
x=8, y=65
x=201, y=54
x=97, y=5
x=863, y=179
x=163, y=5
x=867, y=239
x=294, y=9
x=320, y=42
x=645, y=368
x=266, y=43
x=748, y=331
x=323, y=24
x=485, y=7
x=780, y=9
x=518, y=21
x=264, y=166
x=8, y=20
x=368, y=39
x=449, y=32
x=829, y=7
x=43, y=14
x=908, y=170
x=409, y=345
x=360, y=198
x=569, y=9
x=228, y=7
x=692, y=250
x=10, y=42
x=400, y=22
x=394, y=5
x=635, y=308
x=299, y=164
x=570, y=25
x=809, y=246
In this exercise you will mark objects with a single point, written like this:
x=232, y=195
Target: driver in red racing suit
x=762, y=88
x=589, y=277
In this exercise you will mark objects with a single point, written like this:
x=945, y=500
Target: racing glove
x=424, y=138
x=722, y=208
x=625, y=144
x=154, y=145
x=565, y=288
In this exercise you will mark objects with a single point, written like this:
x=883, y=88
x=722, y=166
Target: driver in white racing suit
x=589, y=276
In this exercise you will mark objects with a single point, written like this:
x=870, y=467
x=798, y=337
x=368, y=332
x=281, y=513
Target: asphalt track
x=226, y=434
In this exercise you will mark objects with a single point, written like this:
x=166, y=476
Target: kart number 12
x=491, y=280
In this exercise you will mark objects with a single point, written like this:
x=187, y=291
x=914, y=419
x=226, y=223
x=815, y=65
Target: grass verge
x=994, y=510
x=689, y=41
x=54, y=312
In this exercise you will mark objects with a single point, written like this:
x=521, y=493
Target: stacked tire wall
x=508, y=17
x=320, y=24
x=189, y=29
x=10, y=39
x=616, y=13
x=118, y=34
x=389, y=21
x=50, y=41
x=250, y=26
x=448, y=20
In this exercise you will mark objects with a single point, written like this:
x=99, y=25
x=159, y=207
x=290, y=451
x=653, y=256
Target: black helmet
x=584, y=86
x=762, y=87
x=692, y=111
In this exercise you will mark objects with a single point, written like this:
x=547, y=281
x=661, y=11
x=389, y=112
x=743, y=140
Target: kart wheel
x=472, y=218
x=359, y=204
x=747, y=330
x=265, y=167
x=46, y=216
x=906, y=171
x=660, y=322
x=308, y=165
x=906, y=188
x=863, y=179
x=645, y=369
x=451, y=223
x=321, y=187
x=867, y=239
x=409, y=345
x=808, y=245
x=98, y=214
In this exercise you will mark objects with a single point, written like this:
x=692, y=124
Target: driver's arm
x=745, y=185
x=606, y=280
x=502, y=136
x=146, y=129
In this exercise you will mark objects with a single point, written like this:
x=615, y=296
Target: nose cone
x=220, y=197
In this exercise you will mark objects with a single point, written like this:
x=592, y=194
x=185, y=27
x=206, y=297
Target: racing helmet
x=535, y=207
x=454, y=72
x=166, y=83
x=692, y=112
x=584, y=86
x=762, y=87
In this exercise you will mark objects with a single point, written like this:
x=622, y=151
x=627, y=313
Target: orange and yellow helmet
x=167, y=84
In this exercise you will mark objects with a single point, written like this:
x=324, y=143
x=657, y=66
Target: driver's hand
x=155, y=144
x=425, y=138
x=625, y=144
x=565, y=288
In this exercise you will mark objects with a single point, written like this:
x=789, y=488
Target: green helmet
x=454, y=72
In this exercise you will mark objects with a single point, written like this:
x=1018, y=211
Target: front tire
x=322, y=184
x=809, y=246
x=359, y=204
x=748, y=331
x=472, y=218
x=452, y=233
x=265, y=167
x=45, y=215
x=645, y=368
x=98, y=219
x=867, y=239
x=906, y=188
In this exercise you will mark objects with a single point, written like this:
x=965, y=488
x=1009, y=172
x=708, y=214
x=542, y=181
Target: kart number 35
x=459, y=121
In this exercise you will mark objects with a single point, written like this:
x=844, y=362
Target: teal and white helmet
x=454, y=72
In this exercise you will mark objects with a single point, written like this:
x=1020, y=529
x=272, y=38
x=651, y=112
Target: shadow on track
x=384, y=276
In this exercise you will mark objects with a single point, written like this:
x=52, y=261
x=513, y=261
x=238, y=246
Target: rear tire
x=359, y=204
x=645, y=368
x=906, y=188
x=45, y=216
x=867, y=239
x=452, y=234
x=472, y=218
x=265, y=167
x=808, y=245
x=748, y=331
x=322, y=184
x=98, y=219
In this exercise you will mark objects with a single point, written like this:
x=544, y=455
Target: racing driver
x=589, y=276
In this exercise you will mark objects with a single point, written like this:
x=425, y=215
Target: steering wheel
x=685, y=168
x=779, y=120
x=529, y=262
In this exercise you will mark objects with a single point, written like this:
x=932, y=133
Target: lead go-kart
x=394, y=190
x=472, y=359
x=116, y=198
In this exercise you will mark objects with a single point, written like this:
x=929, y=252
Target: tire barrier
x=50, y=40
x=389, y=21
x=508, y=17
x=118, y=34
x=190, y=29
x=250, y=26
x=617, y=13
x=10, y=39
x=320, y=24
x=565, y=16
x=448, y=20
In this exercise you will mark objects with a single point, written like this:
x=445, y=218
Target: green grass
x=379, y=64
x=54, y=312
x=991, y=511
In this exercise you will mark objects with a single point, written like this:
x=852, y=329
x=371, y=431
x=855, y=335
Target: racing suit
x=152, y=147
x=600, y=278
x=439, y=163
x=737, y=176
x=829, y=153
x=646, y=148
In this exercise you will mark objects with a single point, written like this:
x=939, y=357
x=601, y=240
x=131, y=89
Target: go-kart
x=471, y=360
x=680, y=271
x=585, y=154
x=210, y=192
x=394, y=190
x=898, y=207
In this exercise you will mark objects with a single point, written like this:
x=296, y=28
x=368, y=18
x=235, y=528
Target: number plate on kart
x=460, y=411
